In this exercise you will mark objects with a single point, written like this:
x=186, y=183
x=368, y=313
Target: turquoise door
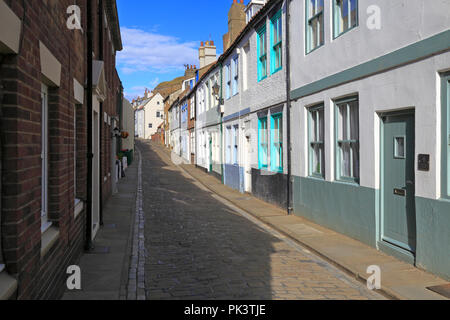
x=398, y=182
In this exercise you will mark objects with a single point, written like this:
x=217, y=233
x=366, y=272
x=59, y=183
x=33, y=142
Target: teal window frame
x=337, y=17
x=276, y=48
x=276, y=143
x=445, y=92
x=314, y=142
x=348, y=141
x=311, y=17
x=261, y=54
x=263, y=143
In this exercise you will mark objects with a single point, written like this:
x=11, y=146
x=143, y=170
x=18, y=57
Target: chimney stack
x=207, y=53
x=236, y=23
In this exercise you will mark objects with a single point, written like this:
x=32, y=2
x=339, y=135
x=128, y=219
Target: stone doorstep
x=8, y=286
x=401, y=280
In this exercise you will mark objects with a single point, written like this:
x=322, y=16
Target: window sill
x=276, y=70
x=344, y=32
x=316, y=48
x=8, y=285
x=79, y=206
x=318, y=178
x=49, y=238
x=348, y=182
x=263, y=78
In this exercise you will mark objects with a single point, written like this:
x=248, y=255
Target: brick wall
x=45, y=20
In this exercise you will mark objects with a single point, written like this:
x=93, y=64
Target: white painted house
x=370, y=123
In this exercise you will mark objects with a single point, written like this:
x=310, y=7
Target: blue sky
x=159, y=37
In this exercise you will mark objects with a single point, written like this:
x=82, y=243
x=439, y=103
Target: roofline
x=255, y=20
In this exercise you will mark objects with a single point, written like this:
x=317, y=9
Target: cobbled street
x=197, y=247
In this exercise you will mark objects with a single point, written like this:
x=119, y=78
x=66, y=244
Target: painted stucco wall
x=354, y=209
x=403, y=22
x=262, y=94
x=155, y=105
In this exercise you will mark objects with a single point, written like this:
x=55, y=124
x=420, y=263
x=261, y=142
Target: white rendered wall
x=151, y=108
x=415, y=86
x=403, y=22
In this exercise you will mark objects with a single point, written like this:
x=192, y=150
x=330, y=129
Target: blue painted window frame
x=276, y=143
x=337, y=17
x=262, y=54
x=445, y=92
x=263, y=143
x=313, y=141
x=235, y=75
x=228, y=81
x=276, y=42
x=312, y=15
x=351, y=143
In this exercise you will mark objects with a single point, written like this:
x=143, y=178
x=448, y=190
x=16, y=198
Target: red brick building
x=46, y=209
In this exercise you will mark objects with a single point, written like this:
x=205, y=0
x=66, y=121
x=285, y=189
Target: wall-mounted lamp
x=116, y=133
x=216, y=93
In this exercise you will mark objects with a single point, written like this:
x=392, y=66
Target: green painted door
x=398, y=182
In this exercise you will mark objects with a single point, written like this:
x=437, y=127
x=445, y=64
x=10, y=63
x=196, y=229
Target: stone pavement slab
x=104, y=275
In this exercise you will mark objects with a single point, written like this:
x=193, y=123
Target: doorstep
x=8, y=286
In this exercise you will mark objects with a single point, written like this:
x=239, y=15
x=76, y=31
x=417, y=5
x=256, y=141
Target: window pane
x=354, y=120
x=343, y=122
x=400, y=147
x=348, y=139
x=355, y=148
x=345, y=160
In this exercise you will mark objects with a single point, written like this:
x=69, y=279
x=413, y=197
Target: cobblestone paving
x=199, y=248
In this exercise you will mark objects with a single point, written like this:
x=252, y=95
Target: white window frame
x=338, y=25
x=45, y=223
x=314, y=38
x=316, y=129
x=228, y=151
x=228, y=80
x=236, y=144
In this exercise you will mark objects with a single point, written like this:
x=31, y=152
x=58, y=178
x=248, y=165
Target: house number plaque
x=424, y=162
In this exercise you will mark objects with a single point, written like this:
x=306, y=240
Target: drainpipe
x=222, y=169
x=101, y=116
x=1, y=114
x=89, y=245
x=288, y=119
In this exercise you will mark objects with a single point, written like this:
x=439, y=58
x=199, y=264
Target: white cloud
x=134, y=92
x=151, y=52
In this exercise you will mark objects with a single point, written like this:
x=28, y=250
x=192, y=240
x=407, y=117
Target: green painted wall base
x=346, y=208
x=433, y=236
x=354, y=211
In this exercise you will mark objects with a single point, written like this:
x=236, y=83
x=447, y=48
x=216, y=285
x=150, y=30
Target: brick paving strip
x=136, y=274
